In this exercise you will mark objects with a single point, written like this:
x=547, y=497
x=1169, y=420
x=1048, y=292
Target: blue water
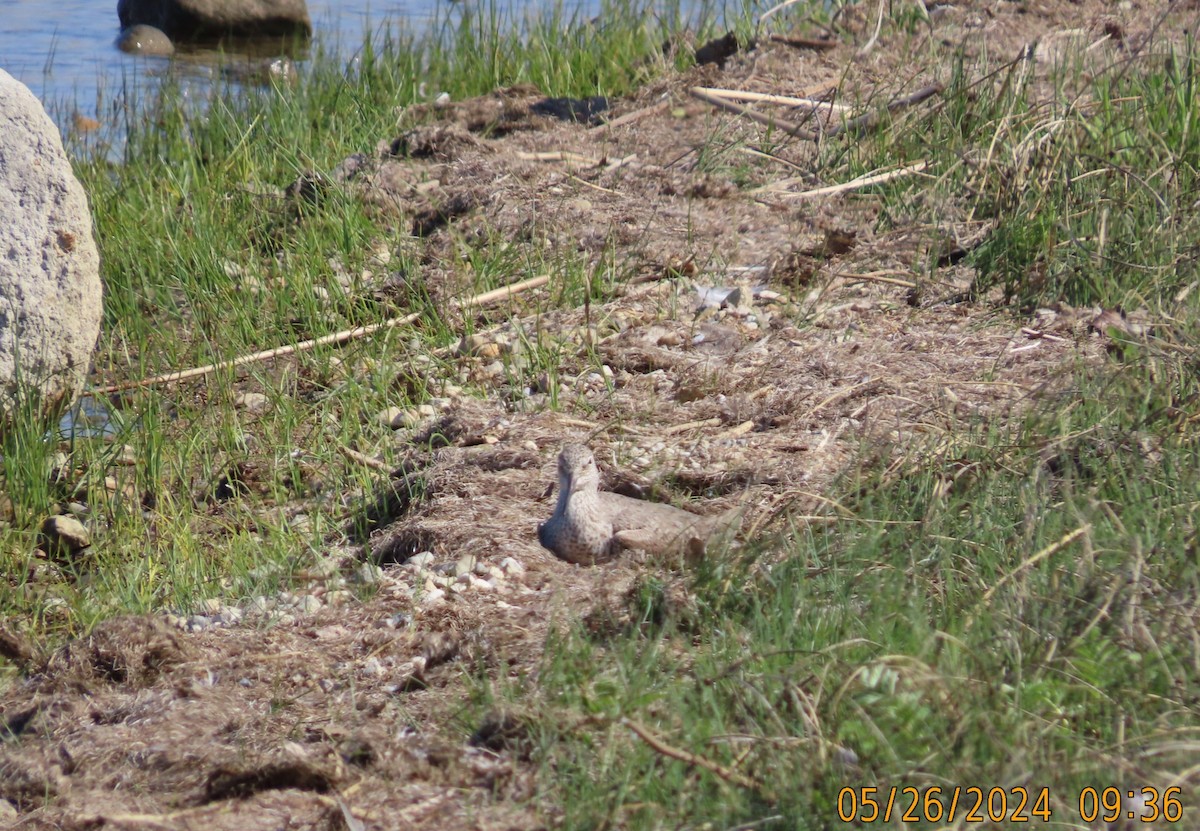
x=65, y=52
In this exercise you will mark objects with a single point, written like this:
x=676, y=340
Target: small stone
x=368, y=574
x=309, y=604
x=371, y=668
x=511, y=566
x=211, y=606
x=420, y=560
x=338, y=597
x=472, y=344
x=252, y=402
x=464, y=565
x=412, y=417
x=285, y=620
x=477, y=583
x=65, y=535
x=198, y=623
x=391, y=417
x=245, y=682
x=260, y=605
x=145, y=40
x=433, y=597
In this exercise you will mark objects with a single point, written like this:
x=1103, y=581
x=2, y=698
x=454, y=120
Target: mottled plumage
x=590, y=526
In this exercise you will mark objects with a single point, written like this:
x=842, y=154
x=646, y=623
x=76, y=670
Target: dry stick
x=779, y=7
x=787, y=126
x=853, y=184
x=698, y=761
x=881, y=277
x=870, y=44
x=559, y=156
x=363, y=459
x=1052, y=548
x=691, y=425
x=787, y=100
x=864, y=122
x=805, y=43
x=336, y=339
x=633, y=116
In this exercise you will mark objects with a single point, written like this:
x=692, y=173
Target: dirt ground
x=350, y=717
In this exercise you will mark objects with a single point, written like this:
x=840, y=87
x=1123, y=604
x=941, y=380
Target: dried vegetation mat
x=753, y=325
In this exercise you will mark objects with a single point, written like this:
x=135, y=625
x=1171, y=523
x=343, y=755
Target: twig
x=753, y=151
x=881, y=277
x=787, y=100
x=659, y=746
x=870, y=44
x=778, y=7
x=593, y=186
x=787, y=126
x=1049, y=550
x=633, y=116
x=853, y=184
x=805, y=43
x=866, y=121
x=363, y=459
x=559, y=156
x=691, y=425
x=336, y=339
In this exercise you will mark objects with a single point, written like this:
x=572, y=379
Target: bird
x=591, y=526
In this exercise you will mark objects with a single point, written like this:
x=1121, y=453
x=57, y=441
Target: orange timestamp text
x=867, y=804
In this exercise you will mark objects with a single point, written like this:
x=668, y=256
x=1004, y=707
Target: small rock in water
x=145, y=40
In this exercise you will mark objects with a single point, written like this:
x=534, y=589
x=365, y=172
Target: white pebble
x=512, y=566
x=420, y=561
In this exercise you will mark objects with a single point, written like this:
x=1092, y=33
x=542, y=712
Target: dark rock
x=718, y=50
x=585, y=110
x=201, y=20
x=145, y=40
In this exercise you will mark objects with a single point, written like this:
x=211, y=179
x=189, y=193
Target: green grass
x=204, y=261
x=1007, y=605
x=939, y=627
x=1014, y=607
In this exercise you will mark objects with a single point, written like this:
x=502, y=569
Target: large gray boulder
x=201, y=20
x=50, y=290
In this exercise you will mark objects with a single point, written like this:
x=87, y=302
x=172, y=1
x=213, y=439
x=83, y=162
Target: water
x=65, y=52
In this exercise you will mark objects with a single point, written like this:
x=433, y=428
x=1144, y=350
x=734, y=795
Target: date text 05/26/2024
x=866, y=804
